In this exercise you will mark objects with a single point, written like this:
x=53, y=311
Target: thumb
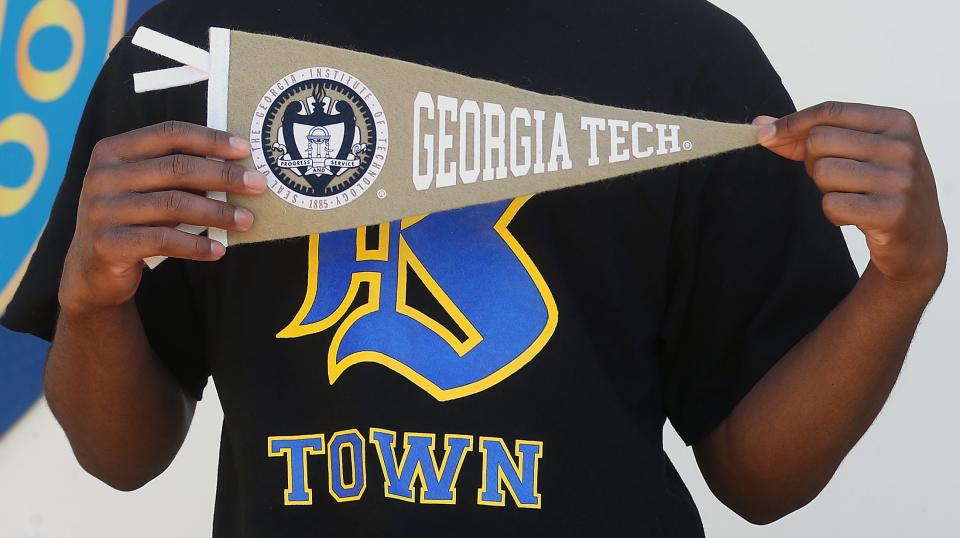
x=768, y=128
x=769, y=135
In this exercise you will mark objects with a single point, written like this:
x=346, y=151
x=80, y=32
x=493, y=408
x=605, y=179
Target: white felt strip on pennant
x=199, y=65
x=161, y=79
x=217, y=102
x=171, y=48
x=218, y=69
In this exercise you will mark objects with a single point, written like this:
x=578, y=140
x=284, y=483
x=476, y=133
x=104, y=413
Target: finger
x=171, y=137
x=833, y=174
x=863, y=210
x=824, y=141
x=859, y=117
x=133, y=243
x=179, y=172
x=165, y=207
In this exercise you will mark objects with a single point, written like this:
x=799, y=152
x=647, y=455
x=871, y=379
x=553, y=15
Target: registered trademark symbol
x=687, y=145
x=381, y=194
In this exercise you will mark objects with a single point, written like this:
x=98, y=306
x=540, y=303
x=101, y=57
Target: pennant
x=348, y=139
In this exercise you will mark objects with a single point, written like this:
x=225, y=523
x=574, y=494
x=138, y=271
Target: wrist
x=74, y=301
x=916, y=292
x=86, y=291
x=78, y=310
x=96, y=322
x=78, y=300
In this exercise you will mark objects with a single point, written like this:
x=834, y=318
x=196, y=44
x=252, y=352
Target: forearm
x=785, y=439
x=123, y=412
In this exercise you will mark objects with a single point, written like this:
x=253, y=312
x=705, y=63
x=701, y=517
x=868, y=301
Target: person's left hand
x=870, y=164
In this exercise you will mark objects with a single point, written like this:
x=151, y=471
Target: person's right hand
x=138, y=187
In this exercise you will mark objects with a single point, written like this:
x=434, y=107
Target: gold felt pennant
x=348, y=139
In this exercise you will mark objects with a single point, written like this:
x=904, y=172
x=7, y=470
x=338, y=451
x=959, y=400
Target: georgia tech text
x=465, y=140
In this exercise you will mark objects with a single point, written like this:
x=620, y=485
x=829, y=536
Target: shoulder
x=730, y=76
x=711, y=26
x=704, y=34
x=188, y=21
x=675, y=56
x=684, y=25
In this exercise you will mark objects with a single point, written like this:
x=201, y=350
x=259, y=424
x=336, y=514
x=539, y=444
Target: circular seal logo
x=320, y=136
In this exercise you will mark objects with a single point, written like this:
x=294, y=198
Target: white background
x=903, y=478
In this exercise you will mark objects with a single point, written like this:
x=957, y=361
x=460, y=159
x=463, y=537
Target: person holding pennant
x=475, y=257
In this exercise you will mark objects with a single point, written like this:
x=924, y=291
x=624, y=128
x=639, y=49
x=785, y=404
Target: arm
x=123, y=412
x=782, y=443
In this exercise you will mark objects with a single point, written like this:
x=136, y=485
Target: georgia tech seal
x=320, y=136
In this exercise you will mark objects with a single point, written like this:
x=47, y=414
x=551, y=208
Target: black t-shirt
x=498, y=370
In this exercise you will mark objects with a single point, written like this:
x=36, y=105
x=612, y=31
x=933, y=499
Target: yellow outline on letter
x=335, y=369
x=407, y=260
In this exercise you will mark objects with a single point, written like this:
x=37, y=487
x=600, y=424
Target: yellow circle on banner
x=27, y=130
x=50, y=85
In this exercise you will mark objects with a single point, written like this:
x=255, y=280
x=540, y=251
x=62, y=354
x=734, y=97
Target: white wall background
x=903, y=479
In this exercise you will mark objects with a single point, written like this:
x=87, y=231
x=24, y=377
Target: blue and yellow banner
x=50, y=54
